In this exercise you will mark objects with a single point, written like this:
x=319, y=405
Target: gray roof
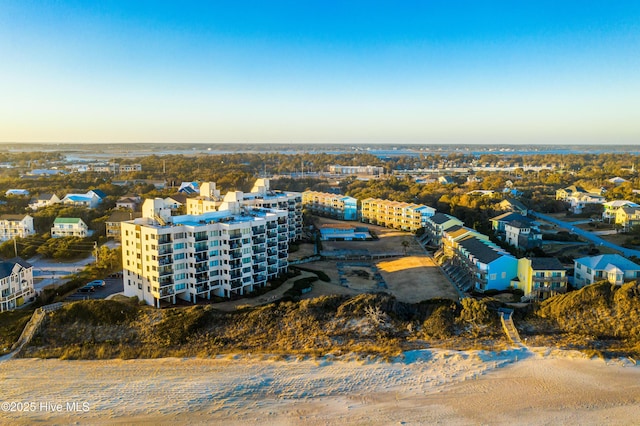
x=480, y=250
x=546, y=263
x=440, y=218
x=6, y=266
x=510, y=216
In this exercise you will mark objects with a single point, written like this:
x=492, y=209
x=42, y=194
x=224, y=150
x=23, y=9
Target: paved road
x=587, y=235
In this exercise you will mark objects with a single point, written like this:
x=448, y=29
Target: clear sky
x=530, y=71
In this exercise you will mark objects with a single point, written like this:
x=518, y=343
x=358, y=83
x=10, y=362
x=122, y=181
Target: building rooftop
x=546, y=263
x=6, y=266
x=481, y=250
x=604, y=261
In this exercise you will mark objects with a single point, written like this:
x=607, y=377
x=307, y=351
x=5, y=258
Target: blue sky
x=334, y=72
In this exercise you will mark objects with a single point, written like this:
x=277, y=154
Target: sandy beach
x=423, y=387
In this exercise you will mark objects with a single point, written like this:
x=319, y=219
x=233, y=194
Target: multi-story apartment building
x=395, y=214
x=541, y=277
x=69, y=227
x=605, y=267
x=232, y=251
x=481, y=265
x=261, y=196
x=14, y=225
x=16, y=283
x=435, y=226
x=326, y=204
x=454, y=234
x=522, y=235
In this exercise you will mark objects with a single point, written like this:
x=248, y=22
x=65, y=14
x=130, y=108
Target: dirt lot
x=409, y=278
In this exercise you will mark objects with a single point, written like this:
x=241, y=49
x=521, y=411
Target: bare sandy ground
x=425, y=387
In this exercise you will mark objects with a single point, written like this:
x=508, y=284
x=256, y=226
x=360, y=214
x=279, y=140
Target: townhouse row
x=473, y=262
x=387, y=213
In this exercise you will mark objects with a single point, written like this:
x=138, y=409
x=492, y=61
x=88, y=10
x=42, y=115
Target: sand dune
x=428, y=386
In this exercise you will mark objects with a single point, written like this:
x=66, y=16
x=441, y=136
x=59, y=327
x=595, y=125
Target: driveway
x=570, y=226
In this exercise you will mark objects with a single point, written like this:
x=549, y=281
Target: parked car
x=95, y=283
x=86, y=289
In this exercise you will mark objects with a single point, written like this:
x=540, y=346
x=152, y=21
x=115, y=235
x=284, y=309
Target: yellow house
x=627, y=217
x=541, y=277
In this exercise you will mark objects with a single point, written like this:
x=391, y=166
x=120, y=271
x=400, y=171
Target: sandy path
x=426, y=387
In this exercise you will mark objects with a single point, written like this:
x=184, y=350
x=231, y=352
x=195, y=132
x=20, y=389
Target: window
x=493, y=276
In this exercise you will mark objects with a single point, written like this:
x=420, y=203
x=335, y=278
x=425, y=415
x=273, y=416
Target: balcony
x=164, y=292
x=548, y=279
x=259, y=249
x=202, y=246
x=167, y=280
x=201, y=288
x=165, y=249
x=164, y=239
x=258, y=230
x=201, y=257
x=259, y=240
x=200, y=236
x=257, y=269
x=272, y=225
x=165, y=271
x=235, y=283
x=165, y=260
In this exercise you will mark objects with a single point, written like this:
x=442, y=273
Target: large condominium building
x=13, y=225
x=261, y=196
x=395, y=214
x=16, y=283
x=325, y=204
x=232, y=251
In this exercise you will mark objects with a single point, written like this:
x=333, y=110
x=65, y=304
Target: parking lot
x=112, y=286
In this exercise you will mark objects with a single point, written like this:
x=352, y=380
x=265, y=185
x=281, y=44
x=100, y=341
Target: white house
x=43, y=200
x=89, y=200
x=69, y=227
x=20, y=192
x=13, y=225
x=522, y=235
x=579, y=201
x=610, y=267
x=16, y=283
